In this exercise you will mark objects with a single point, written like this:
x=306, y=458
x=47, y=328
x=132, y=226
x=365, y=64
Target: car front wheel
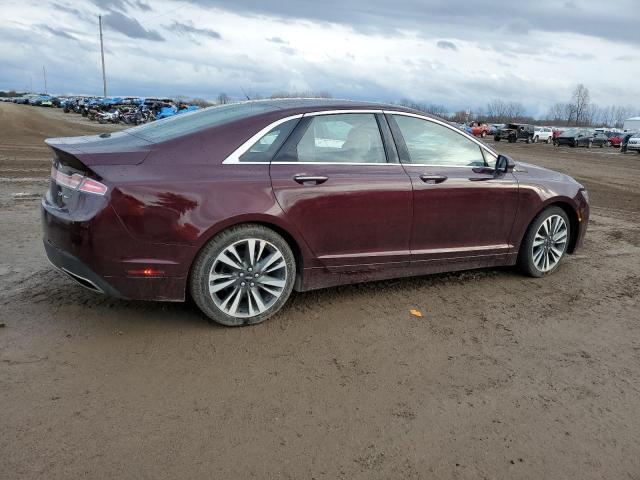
x=545, y=242
x=243, y=276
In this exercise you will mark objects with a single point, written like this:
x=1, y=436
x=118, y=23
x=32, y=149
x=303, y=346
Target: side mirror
x=504, y=165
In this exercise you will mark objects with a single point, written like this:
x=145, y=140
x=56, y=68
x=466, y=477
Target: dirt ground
x=504, y=377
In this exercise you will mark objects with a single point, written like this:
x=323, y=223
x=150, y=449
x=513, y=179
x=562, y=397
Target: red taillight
x=79, y=182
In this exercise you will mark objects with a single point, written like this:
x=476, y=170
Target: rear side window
x=186, y=123
x=430, y=143
x=342, y=138
x=265, y=148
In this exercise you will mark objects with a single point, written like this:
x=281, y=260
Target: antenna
x=104, y=75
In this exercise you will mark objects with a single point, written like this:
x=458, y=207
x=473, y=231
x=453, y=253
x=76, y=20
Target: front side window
x=429, y=143
x=342, y=138
x=265, y=148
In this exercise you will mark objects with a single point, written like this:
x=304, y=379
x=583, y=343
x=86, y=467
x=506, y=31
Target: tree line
x=578, y=111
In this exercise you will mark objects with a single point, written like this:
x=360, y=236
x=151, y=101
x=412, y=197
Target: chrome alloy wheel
x=247, y=277
x=550, y=243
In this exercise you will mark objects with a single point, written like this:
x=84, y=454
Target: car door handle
x=433, y=178
x=316, y=179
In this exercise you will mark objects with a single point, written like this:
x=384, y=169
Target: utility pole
x=104, y=75
x=44, y=74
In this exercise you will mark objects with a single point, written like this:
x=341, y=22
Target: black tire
x=535, y=139
x=513, y=139
x=496, y=139
x=548, y=140
x=590, y=144
x=575, y=144
x=199, y=276
x=525, y=255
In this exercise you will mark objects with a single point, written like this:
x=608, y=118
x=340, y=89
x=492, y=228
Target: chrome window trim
x=234, y=158
x=450, y=127
x=370, y=164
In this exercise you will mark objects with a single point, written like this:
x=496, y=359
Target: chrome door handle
x=317, y=179
x=433, y=178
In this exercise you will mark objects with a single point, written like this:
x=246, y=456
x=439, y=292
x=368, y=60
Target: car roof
x=303, y=105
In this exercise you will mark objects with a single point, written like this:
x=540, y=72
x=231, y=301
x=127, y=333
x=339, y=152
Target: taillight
x=75, y=181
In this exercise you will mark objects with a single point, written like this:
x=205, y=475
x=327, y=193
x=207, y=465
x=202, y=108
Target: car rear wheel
x=243, y=276
x=590, y=144
x=535, y=139
x=548, y=140
x=545, y=242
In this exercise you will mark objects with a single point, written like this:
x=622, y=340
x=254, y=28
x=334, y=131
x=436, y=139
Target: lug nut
x=242, y=284
x=253, y=284
x=250, y=268
x=256, y=275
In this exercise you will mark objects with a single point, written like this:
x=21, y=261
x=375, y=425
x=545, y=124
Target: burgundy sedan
x=238, y=205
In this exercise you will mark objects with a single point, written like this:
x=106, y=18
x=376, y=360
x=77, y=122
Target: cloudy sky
x=456, y=53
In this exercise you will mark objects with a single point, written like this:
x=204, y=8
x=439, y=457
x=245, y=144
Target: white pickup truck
x=543, y=134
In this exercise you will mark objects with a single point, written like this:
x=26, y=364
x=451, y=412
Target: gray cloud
x=129, y=27
x=121, y=5
x=277, y=40
x=189, y=29
x=57, y=32
x=436, y=17
x=445, y=44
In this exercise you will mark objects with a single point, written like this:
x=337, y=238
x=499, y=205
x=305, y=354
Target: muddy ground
x=504, y=377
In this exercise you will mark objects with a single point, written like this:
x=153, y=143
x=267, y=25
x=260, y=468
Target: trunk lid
x=117, y=148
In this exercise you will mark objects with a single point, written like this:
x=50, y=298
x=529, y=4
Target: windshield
x=186, y=123
x=570, y=133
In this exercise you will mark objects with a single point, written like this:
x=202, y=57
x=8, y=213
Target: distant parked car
x=615, y=139
x=494, y=127
x=479, y=129
x=633, y=143
x=600, y=139
x=575, y=137
x=514, y=132
x=543, y=134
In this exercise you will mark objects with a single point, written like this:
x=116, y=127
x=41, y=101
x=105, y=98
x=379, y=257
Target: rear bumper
x=97, y=252
x=78, y=270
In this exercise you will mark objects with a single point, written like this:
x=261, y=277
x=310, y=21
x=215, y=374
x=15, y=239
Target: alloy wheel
x=247, y=277
x=550, y=243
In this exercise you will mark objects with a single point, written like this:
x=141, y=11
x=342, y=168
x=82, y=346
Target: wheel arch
x=301, y=252
x=572, y=214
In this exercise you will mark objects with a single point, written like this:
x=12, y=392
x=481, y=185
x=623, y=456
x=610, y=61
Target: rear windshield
x=186, y=123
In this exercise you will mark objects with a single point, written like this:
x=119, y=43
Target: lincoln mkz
x=238, y=205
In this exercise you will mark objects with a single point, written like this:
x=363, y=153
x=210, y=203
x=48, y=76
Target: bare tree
x=305, y=94
x=579, y=104
x=431, y=108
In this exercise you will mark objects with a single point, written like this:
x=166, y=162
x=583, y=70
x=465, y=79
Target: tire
x=528, y=260
x=590, y=144
x=548, y=140
x=512, y=139
x=535, y=139
x=240, y=303
x=496, y=139
x=575, y=144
